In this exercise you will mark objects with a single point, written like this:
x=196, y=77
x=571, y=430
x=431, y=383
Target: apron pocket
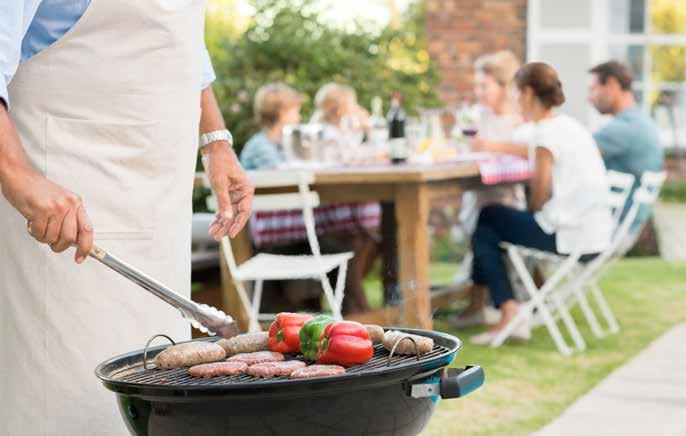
x=119, y=169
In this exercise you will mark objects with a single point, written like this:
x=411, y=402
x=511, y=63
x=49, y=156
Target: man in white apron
x=100, y=142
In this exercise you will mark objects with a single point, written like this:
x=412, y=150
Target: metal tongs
x=205, y=318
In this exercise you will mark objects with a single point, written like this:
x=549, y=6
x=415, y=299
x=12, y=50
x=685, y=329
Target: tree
x=287, y=41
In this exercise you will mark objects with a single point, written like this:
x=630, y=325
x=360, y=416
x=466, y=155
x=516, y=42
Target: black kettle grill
x=389, y=395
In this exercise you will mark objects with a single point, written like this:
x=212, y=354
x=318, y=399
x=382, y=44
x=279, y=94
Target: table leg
x=389, y=253
x=232, y=304
x=412, y=215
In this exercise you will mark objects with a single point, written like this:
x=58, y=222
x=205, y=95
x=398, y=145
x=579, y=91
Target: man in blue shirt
x=630, y=143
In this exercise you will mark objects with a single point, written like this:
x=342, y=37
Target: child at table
x=277, y=105
x=345, y=122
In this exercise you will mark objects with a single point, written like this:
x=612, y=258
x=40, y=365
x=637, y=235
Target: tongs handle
x=204, y=318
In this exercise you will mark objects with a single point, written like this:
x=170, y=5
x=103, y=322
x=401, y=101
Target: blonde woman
x=499, y=122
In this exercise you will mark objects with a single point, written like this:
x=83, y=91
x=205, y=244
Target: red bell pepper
x=345, y=343
x=284, y=333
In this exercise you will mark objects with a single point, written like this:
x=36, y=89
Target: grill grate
x=180, y=377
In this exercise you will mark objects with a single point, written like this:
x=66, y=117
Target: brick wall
x=459, y=31
x=675, y=165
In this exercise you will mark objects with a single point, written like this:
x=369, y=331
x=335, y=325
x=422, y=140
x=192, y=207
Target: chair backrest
x=652, y=183
x=620, y=189
x=305, y=200
x=645, y=195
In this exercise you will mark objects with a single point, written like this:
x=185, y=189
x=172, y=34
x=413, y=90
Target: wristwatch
x=217, y=135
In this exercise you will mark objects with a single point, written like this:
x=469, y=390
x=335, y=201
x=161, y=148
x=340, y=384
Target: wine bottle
x=396, y=135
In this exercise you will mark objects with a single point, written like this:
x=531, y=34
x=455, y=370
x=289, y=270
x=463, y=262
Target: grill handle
x=458, y=382
x=205, y=318
x=453, y=383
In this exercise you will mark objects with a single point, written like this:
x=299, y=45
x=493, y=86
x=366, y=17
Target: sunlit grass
x=528, y=385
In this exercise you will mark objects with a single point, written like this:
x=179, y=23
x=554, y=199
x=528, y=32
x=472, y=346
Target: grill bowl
x=370, y=399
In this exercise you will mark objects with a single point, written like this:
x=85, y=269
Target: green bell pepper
x=310, y=334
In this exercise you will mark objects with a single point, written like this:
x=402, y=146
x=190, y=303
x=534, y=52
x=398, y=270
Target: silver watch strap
x=217, y=135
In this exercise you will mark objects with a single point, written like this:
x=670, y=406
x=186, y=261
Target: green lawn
x=528, y=385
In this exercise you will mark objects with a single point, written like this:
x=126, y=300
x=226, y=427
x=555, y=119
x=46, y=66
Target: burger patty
x=318, y=371
x=275, y=369
x=216, y=369
x=257, y=357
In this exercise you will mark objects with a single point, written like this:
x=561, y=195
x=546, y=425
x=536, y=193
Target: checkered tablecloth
x=503, y=168
x=288, y=226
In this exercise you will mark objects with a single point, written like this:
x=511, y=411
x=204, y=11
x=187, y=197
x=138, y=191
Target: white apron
x=111, y=112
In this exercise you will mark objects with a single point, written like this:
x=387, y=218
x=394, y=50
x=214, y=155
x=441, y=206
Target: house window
x=648, y=35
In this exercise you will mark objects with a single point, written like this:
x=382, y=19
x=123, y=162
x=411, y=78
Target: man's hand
x=232, y=188
x=55, y=216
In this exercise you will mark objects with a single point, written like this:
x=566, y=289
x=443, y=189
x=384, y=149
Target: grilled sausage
x=375, y=333
x=248, y=343
x=405, y=346
x=258, y=357
x=313, y=371
x=216, y=369
x=189, y=354
x=275, y=369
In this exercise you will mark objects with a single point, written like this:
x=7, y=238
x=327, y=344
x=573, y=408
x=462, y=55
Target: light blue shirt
x=261, y=153
x=630, y=143
x=29, y=26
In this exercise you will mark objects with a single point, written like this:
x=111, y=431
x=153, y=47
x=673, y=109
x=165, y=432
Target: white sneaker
x=473, y=319
x=523, y=330
x=485, y=338
x=489, y=316
x=522, y=333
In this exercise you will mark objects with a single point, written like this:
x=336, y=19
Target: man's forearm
x=13, y=160
x=211, y=117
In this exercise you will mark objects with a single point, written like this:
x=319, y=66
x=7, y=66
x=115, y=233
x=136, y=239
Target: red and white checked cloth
x=288, y=226
x=503, y=168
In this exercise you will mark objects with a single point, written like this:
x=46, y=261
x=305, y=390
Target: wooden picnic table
x=411, y=189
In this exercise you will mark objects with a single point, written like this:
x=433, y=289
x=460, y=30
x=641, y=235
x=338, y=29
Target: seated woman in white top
x=568, y=210
x=499, y=120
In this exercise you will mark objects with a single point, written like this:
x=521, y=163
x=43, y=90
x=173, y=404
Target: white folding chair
x=547, y=302
x=623, y=238
x=282, y=267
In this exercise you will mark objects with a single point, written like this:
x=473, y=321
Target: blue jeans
x=503, y=224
